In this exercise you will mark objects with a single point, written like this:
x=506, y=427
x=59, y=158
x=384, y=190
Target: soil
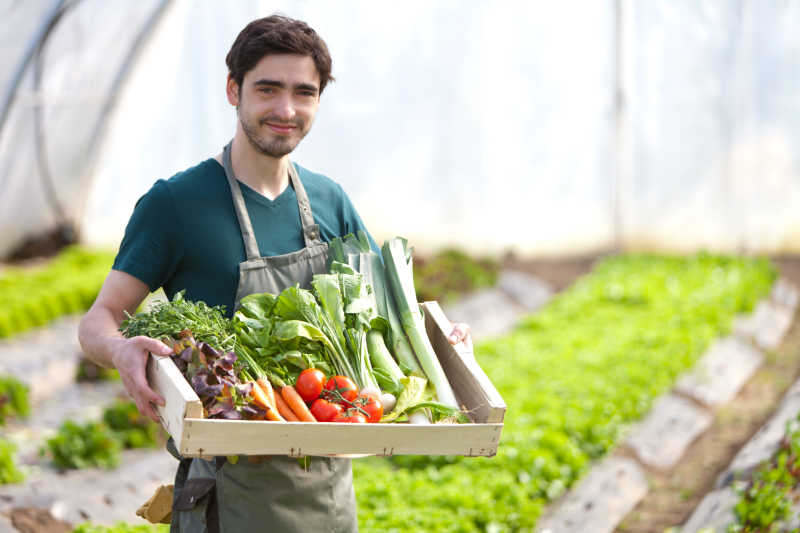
x=559, y=272
x=31, y=520
x=43, y=246
x=674, y=494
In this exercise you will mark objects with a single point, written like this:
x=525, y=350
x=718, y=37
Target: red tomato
x=371, y=403
x=325, y=411
x=344, y=385
x=350, y=416
x=309, y=384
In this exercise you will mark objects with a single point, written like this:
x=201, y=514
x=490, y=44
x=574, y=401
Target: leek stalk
x=400, y=279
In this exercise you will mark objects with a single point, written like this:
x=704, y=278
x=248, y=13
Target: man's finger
x=146, y=409
x=153, y=345
x=147, y=394
x=459, y=333
x=146, y=398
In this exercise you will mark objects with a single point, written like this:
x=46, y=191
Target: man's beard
x=276, y=148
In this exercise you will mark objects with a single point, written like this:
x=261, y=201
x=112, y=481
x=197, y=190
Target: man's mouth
x=280, y=128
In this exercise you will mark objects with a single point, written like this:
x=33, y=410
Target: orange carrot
x=259, y=397
x=267, y=386
x=272, y=412
x=296, y=403
x=284, y=410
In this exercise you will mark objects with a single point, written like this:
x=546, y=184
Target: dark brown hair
x=277, y=34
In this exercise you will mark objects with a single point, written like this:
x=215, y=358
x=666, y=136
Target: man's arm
x=103, y=343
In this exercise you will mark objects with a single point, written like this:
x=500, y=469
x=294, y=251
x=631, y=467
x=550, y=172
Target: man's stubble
x=278, y=147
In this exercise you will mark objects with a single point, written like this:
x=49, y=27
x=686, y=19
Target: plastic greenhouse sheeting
x=58, y=105
x=491, y=125
x=714, y=126
x=448, y=122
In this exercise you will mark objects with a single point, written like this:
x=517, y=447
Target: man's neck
x=267, y=175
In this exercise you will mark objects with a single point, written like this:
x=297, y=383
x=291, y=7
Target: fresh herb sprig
x=167, y=319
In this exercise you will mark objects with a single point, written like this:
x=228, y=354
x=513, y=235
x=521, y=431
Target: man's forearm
x=99, y=336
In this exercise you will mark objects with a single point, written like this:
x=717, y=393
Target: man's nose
x=285, y=108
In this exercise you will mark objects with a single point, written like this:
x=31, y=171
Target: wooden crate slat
x=229, y=437
x=472, y=386
x=181, y=400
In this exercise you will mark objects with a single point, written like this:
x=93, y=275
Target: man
x=247, y=220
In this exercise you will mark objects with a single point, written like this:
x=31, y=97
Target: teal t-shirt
x=184, y=234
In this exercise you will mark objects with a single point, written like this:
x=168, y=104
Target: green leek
x=400, y=278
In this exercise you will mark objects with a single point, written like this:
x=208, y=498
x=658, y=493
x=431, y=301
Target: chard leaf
x=252, y=323
x=289, y=330
x=295, y=303
x=326, y=287
x=258, y=305
x=293, y=357
x=263, y=336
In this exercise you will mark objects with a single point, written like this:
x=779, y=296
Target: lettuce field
x=573, y=376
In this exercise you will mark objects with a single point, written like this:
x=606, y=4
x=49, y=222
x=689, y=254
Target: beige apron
x=276, y=493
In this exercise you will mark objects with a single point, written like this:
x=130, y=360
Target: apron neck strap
x=311, y=234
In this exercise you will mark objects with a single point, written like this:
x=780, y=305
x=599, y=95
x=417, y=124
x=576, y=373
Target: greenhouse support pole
x=47, y=24
x=621, y=167
x=147, y=29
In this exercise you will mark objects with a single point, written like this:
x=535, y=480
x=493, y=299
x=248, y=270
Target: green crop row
x=765, y=503
x=573, y=376
x=69, y=283
x=99, y=443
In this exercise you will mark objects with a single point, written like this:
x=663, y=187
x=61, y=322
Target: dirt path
x=560, y=273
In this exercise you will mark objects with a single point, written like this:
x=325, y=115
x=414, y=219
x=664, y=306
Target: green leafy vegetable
x=13, y=399
x=356, y=251
x=168, y=319
x=131, y=428
x=83, y=445
x=766, y=501
x=9, y=473
x=325, y=328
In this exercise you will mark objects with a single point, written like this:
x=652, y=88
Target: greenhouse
x=601, y=200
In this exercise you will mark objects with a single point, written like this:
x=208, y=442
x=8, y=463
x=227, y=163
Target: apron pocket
x=192, y=505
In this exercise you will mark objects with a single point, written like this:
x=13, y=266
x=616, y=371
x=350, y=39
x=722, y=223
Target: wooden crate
x=194, y=436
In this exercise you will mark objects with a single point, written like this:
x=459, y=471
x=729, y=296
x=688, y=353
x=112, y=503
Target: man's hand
x=103, y=343
x=461, y=333
x=130, y=360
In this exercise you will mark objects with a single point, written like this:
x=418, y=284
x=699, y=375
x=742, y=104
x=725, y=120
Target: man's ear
x=232, y=90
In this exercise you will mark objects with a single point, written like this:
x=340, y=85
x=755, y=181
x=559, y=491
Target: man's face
x=277, y=102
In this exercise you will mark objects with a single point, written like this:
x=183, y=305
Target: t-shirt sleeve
x=150, y=249
x=353, y=223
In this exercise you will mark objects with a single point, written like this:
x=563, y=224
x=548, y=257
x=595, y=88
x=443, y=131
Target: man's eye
x=306, y=93
x=267, y=90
